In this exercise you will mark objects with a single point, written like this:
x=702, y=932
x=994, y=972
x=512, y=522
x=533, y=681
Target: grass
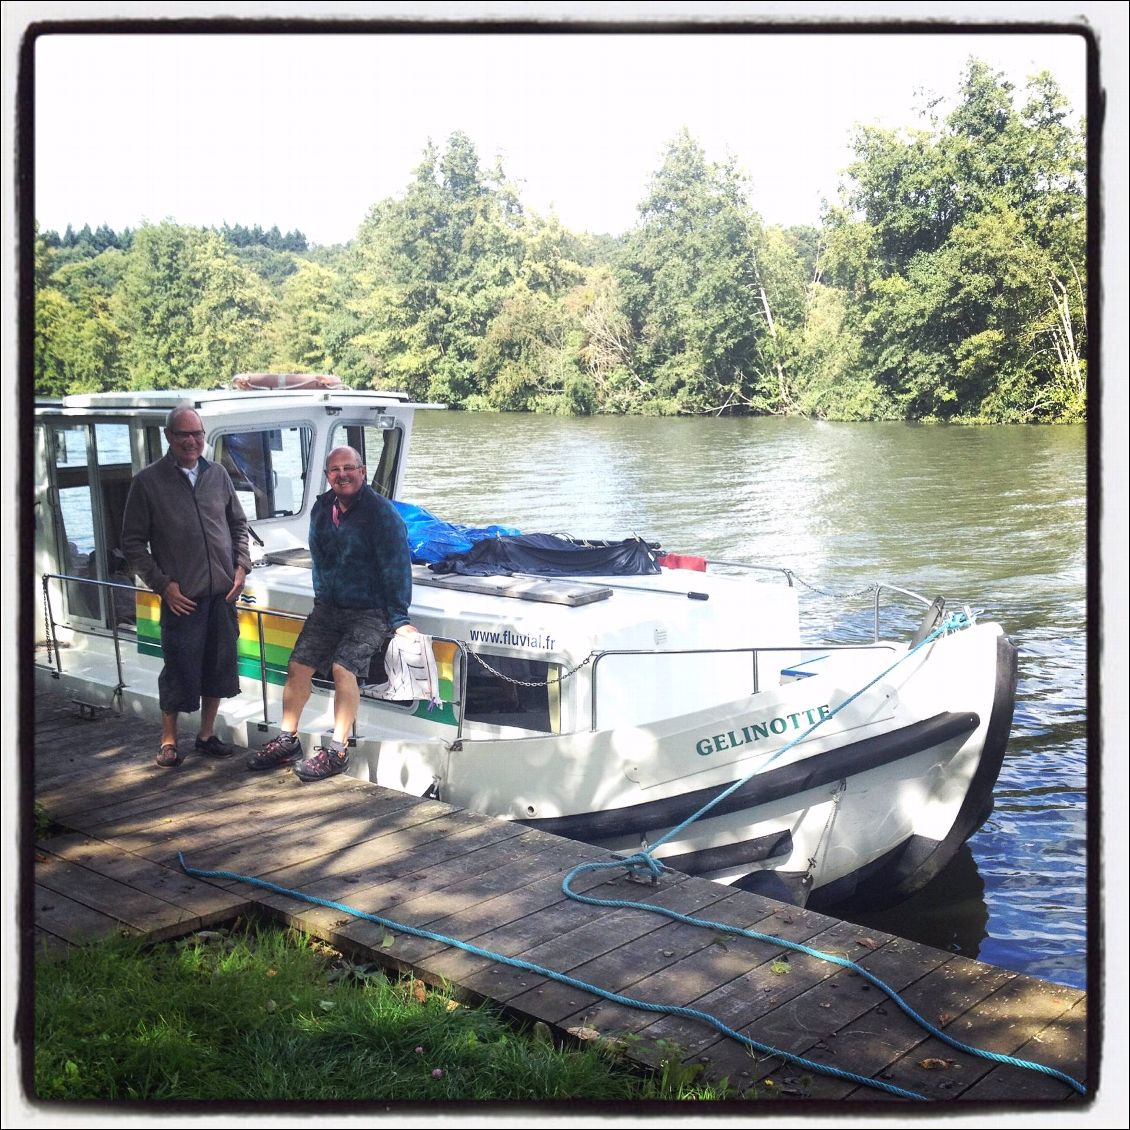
x=260, y=1013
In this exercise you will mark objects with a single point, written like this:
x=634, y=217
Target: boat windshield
x=268, y=468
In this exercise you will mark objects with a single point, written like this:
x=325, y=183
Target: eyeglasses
x=344, y=469
x=187, y=435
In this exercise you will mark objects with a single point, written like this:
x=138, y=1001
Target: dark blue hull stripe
x=813, y=772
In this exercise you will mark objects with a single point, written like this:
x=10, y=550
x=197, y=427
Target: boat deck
x=498, y=885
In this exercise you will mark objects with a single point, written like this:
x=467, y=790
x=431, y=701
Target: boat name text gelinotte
x=731, y=739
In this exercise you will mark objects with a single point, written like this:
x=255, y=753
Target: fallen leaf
x=932, y=1063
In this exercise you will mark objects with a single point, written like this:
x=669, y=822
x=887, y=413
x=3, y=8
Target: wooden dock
x=498, y=885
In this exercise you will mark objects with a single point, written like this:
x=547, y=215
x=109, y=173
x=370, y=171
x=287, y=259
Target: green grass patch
x=261, y=1013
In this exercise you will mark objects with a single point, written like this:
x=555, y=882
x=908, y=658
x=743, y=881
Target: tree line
x=948, y=282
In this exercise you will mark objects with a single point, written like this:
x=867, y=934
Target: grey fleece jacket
x=171, y=532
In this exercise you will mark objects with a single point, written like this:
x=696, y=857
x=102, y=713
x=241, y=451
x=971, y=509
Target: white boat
x=608, y=709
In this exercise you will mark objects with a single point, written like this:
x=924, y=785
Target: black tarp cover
x=553, y=555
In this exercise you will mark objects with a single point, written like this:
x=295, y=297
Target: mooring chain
x=837, y=796
x=533, y=682
x=840, y=595
x=48, y=635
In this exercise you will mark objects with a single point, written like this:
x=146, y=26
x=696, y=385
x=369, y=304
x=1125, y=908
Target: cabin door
x=88, y=473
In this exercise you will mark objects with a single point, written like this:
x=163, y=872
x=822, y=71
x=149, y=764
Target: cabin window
x=92, y=474
x=268, y=468
x=502, y=702
x=379, y=447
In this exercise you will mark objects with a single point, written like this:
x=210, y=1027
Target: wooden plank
x=598, y=953
x=683, y=981
x=206, y=784
x=984, y=1007
x=145, y=913
x=1062, y=1045
x=446, y=890
x=812, y=1024
x=47, y=946
x=196, y=896
x=291, y=854
x=72, y=921
x=737, y=982
x=1014, y=1013
x=559, y=918
x=213, y=838
x=510, y=895
x=405, y=842
x=386, y=891
x=507, y=926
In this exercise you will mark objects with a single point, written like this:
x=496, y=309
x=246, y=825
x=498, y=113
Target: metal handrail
x=242, y=607
x=753, y=652
x=879, y=588
x=53, y=639
x=788, y=574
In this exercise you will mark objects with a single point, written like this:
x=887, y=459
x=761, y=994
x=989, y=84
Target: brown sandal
x=169, y=757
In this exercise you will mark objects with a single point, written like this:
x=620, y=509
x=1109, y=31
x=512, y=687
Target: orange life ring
x=260, y=381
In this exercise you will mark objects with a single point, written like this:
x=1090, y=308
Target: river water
x=993, y=518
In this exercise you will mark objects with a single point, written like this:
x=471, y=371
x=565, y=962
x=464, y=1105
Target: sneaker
x=321, y=764
x=213, y=747
x=277, y=753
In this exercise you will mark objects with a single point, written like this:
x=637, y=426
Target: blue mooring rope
x=645, y=860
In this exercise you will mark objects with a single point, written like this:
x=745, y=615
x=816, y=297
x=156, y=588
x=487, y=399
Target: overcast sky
x=308, y=131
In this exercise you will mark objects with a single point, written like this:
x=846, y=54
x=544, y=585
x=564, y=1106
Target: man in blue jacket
x=362, y=589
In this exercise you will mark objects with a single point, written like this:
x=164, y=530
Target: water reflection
x=949, y=913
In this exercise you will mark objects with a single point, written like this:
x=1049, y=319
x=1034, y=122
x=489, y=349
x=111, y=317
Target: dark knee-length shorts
x=201, y=659
x=349, y=637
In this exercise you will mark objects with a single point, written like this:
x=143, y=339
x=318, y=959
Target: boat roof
x=223, y=399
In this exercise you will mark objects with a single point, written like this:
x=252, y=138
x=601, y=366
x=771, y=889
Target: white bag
x=411, y=669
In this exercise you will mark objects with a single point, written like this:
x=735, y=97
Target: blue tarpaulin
x=431, y=539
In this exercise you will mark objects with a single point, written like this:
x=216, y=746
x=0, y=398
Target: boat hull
x=867, y=812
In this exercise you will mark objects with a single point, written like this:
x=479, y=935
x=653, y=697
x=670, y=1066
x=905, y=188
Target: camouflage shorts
x=349, y=637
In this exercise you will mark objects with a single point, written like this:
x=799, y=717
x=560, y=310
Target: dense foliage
x=948, y=283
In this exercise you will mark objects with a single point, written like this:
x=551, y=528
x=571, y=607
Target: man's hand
x=406, y=629
x=237, y=587
x=176, y=600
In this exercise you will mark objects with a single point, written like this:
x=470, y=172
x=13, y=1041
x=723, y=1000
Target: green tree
x=961, y=255
x=690, y=280
x=298, y=335
x=433, y=270
x=191, y=315
x=77, y=338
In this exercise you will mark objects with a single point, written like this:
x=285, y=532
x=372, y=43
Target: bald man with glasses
x=362, y=572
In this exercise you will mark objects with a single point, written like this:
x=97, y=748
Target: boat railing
x=793, y=580
x=788, y=574
x=51, y=624
x=754, y=653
